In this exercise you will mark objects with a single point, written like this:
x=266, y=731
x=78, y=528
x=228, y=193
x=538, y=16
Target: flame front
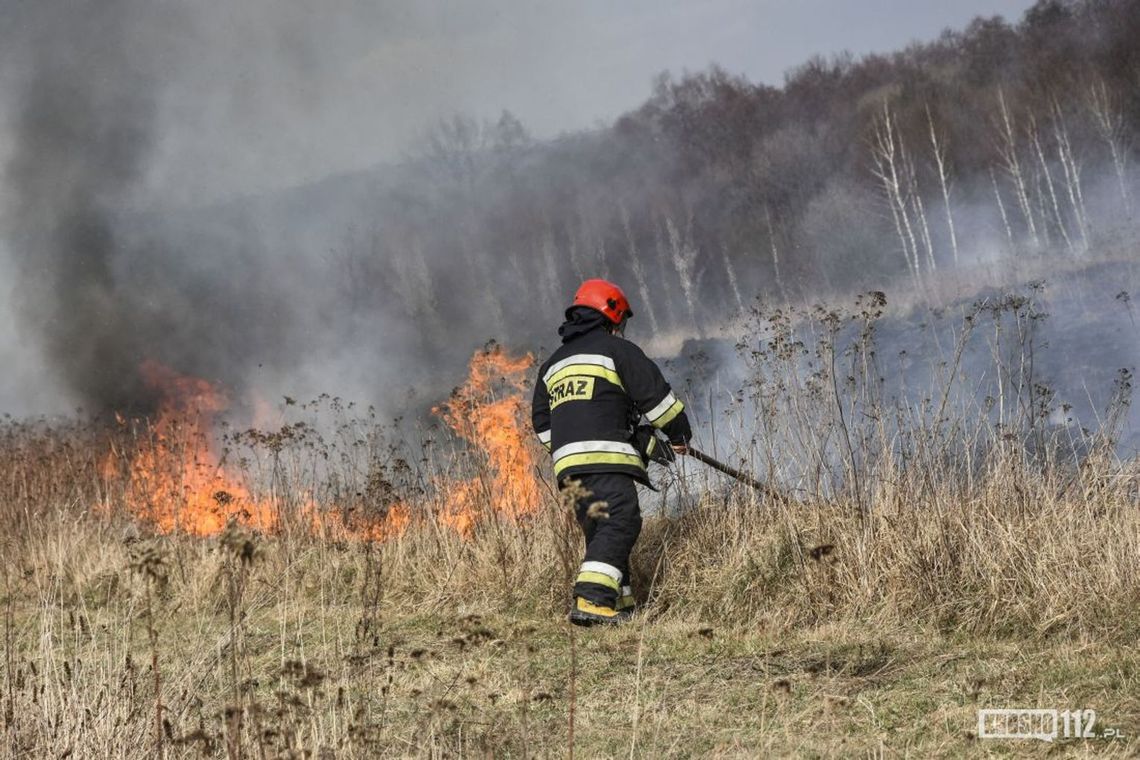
x=488, y=411
x=177, y=481
x=176, y=478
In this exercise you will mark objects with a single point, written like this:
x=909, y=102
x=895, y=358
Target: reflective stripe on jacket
x=589, y=396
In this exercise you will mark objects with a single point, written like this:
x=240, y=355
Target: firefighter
x=590, y=395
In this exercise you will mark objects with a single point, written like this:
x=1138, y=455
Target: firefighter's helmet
x=606, y=298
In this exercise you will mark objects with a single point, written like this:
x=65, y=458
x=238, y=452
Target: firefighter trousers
x=610, y=535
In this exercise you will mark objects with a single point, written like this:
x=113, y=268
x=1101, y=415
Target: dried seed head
x=302, y=673
x=240, y=542
x=149, y=561
x=572, y=492
x=599, y=510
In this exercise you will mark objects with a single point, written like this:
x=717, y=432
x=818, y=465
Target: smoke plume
x=922, y=175
x=103, y=283
x=83, y=131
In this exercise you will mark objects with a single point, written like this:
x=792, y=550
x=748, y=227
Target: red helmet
x=606, y=298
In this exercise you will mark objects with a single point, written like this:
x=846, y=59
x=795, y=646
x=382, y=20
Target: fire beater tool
x=732, y=472
x=660, y=451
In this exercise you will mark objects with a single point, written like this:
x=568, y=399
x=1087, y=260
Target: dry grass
x=935, y=558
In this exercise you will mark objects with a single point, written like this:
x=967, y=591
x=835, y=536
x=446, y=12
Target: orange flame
x=488, y=411
x=333, y=524
x=178, y=482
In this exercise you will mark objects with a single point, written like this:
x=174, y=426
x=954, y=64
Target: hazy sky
x=267, y=93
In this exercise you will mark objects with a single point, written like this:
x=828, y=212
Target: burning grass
x=167, y=472
x=935, y=559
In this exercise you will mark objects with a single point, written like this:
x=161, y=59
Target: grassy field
x=929, y=559
x=299, y=650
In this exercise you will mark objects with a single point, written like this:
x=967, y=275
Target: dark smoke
x=101, y=294
x=84, y=129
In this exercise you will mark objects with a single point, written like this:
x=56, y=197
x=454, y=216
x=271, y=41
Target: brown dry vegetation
x=932, y=558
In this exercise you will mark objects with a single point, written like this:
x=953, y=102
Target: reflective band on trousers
x=596, y=452
x=590, y=365
x=662, y=414
x=598, y=578
x=601, y=574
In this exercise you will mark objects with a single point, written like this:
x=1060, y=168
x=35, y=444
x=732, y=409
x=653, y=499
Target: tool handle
x=748, y=480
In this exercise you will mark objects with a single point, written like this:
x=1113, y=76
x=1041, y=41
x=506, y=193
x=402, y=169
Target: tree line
x=1000, y=139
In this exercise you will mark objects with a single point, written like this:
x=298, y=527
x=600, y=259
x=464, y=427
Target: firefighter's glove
x=651, y=447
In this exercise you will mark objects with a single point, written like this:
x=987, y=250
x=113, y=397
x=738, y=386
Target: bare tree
x=1007, y=149
x=587, y=248
x=548, y=281
x=1109, y=120
x=417, y=286
x=601, y=256
x=577, y=263
x=888, y=168
x=638, y=267
x=730, y=271
x=938, y=148
x=919, y=207
x=482, y=268
x=684, y=255
x=354, y=262
x=453, y=150
x=1001, y=208
x=772, y=244
x=1035, y=140
x=1072, y=169
x=1042, y=209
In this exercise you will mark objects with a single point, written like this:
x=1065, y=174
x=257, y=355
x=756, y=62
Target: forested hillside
x=1002, y=139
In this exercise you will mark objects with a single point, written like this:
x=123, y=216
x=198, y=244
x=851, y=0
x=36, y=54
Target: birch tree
x=548, y=278
x=918, y=206
x=1109, y=121
x=1007, y=150
x=638, y=268
x=684, y=255
x=888, y=169
x=1035, y=140
x=1001, y=209
x=772, y=244
x=1072, y=168
x=574, y=253
x=730, y=271
x=938, y=148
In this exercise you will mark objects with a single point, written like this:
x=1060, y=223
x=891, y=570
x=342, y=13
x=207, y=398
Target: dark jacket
x=590, y=395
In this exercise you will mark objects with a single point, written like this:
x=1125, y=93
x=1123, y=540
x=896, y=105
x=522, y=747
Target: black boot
x=586, y=613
